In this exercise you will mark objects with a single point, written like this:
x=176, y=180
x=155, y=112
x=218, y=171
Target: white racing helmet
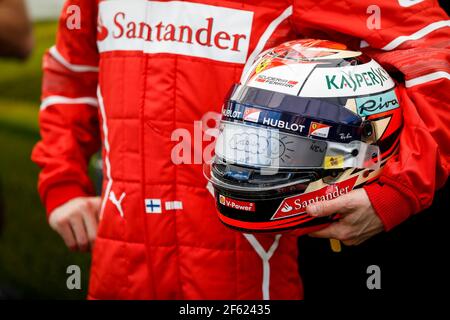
x=310, y=122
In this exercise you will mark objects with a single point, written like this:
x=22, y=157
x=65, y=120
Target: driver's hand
x=76, y=221
x=358, y=221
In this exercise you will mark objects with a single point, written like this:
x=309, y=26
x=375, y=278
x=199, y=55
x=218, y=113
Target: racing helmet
x=310, y=121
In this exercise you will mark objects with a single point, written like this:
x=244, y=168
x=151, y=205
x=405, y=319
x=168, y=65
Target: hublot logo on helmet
x=277, y=123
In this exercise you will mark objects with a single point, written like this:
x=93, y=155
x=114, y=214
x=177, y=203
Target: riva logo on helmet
x=177, y=27
x=367, y=106
x=236, y=204
x=297, y=204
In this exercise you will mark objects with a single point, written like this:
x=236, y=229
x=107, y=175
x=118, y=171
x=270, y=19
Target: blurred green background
x=33, y=259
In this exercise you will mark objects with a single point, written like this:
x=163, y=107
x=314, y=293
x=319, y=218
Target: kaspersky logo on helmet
x=347, y=81
x=177, y=27
x=356, y=80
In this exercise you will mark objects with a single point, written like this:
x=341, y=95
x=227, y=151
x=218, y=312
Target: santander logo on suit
x=177, y=27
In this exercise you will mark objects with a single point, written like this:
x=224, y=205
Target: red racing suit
x=146, y=80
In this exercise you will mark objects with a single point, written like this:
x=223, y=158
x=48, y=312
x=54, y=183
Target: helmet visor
x=269, y=148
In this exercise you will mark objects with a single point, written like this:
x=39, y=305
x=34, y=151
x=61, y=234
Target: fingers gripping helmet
x=310, y=121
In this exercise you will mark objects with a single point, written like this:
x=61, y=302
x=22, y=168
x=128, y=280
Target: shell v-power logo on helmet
x=177, y=27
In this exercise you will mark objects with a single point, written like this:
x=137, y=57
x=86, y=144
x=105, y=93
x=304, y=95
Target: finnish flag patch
x=153, y=206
